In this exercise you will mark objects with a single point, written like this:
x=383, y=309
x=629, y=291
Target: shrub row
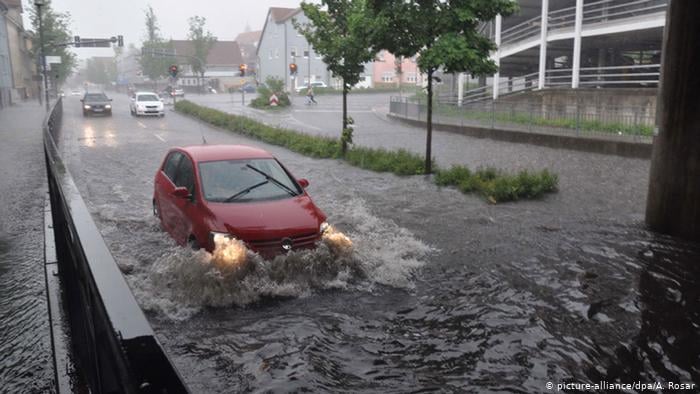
x=494, y=185
x=497, y=186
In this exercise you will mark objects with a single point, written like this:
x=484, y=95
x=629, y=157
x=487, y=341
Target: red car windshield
x=238, y=180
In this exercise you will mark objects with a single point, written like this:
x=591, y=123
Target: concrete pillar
x=543, y=43
x=497, y=56
x=460, y=89
x=576, y=66
x=673, y=202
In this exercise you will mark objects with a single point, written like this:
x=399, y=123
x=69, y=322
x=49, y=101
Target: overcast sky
x=106, y=18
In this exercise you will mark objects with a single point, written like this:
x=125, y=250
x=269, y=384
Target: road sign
x=95, y=42
x=53, y=59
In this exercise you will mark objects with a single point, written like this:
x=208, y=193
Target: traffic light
x=242, y=68
x=76, y=41
x=173, y=71
x=293, y=69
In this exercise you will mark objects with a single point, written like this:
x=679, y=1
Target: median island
x=492, y=184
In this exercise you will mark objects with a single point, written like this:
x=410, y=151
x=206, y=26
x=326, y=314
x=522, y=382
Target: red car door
x=185, y=209
x=163, y=191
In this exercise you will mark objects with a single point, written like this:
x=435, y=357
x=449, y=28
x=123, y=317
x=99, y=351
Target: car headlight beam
x=324, y=227
x=86, y=106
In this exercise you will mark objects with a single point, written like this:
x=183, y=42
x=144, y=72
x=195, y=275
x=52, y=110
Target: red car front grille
x=270, y=247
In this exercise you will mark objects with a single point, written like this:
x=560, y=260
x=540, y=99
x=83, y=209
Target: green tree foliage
x=202, y=41
x=340, y=30
x=56, y=31
x=443, y=33
x=101, y=71
x=153, y=66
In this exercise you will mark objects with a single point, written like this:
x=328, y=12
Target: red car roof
x=201, y=153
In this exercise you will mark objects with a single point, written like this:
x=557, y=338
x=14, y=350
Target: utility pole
x=39, y=4
x=309, y=65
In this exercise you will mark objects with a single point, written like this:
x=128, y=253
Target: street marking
x=143, y=126
x=159, y=137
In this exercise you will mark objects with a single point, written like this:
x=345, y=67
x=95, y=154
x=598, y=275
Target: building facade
x=248, y=43
x=5, y=64
x=576, y=44
x=385, y=70
x=281, y=45
x=221, y=66
x=18, y=41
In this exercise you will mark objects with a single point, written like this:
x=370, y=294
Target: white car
x=146, y=103
x=315, y=84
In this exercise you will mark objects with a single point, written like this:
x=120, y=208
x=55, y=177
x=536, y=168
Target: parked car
x=248, y=88
x=235, y=191
x=146, y=103
x=177, y=92
x=96, y=103
x=75, y=92
x=315, y=84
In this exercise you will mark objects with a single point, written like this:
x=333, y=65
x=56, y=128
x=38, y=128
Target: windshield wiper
x=270, y=178
x=245, y=191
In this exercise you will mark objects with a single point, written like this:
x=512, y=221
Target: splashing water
x=180, y=282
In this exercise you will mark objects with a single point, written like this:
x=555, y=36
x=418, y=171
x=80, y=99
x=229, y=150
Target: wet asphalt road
x=443, y=292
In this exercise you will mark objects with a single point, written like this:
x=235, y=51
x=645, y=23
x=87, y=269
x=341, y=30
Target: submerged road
x=443, y=292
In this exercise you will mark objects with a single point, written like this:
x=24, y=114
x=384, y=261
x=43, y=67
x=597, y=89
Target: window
x=185, y=175
x=388, y=76
x=171, y=165
x=306, y=53
x=221, y=180
x=411, y=77
x=293, y=53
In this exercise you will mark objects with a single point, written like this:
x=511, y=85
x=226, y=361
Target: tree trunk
x=344, y=143
x=429, y=125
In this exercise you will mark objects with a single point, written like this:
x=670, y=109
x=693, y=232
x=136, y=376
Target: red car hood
x=264, y=220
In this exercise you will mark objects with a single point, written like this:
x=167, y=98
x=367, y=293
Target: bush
x=491, y=183
x=495, y=185
x=271, y=85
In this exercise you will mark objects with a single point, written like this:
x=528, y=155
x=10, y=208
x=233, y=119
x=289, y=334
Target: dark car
x=96, y=103
x=249, y=87
x=235, y=191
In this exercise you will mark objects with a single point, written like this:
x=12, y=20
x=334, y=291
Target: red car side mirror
x=181, y=192
x=304, y=183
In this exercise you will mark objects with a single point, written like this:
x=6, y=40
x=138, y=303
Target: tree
x=154, y=66
x=101, y=71
x=202, y=41
x=340, y=30
x=55, y=26
x=443, y=33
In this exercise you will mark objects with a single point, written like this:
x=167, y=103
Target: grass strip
x=493, y=184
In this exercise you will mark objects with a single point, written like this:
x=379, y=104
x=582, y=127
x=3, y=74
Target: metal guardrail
x=622, y=123
x=113, y=345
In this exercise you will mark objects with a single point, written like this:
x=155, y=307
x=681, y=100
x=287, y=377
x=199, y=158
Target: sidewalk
x=23, y=307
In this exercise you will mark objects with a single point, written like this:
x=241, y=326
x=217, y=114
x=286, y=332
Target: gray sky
x=103, y=18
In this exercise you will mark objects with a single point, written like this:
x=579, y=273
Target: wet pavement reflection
x=442, y=291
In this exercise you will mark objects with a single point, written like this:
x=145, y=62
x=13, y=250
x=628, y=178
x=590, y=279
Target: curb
x=640, y=150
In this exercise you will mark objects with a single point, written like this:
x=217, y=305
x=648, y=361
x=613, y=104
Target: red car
x=237, y=191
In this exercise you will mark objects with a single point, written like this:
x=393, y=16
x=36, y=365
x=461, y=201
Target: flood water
x=442, y=292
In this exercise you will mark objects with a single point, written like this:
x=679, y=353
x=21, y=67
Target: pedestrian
x=310, y=95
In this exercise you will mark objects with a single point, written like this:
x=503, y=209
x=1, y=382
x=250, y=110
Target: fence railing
x=643, y=75
x=620, y=123
x=113, y=344
x=593, y=12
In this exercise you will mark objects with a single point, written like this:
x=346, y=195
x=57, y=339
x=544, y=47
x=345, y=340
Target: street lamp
x=39, y=4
